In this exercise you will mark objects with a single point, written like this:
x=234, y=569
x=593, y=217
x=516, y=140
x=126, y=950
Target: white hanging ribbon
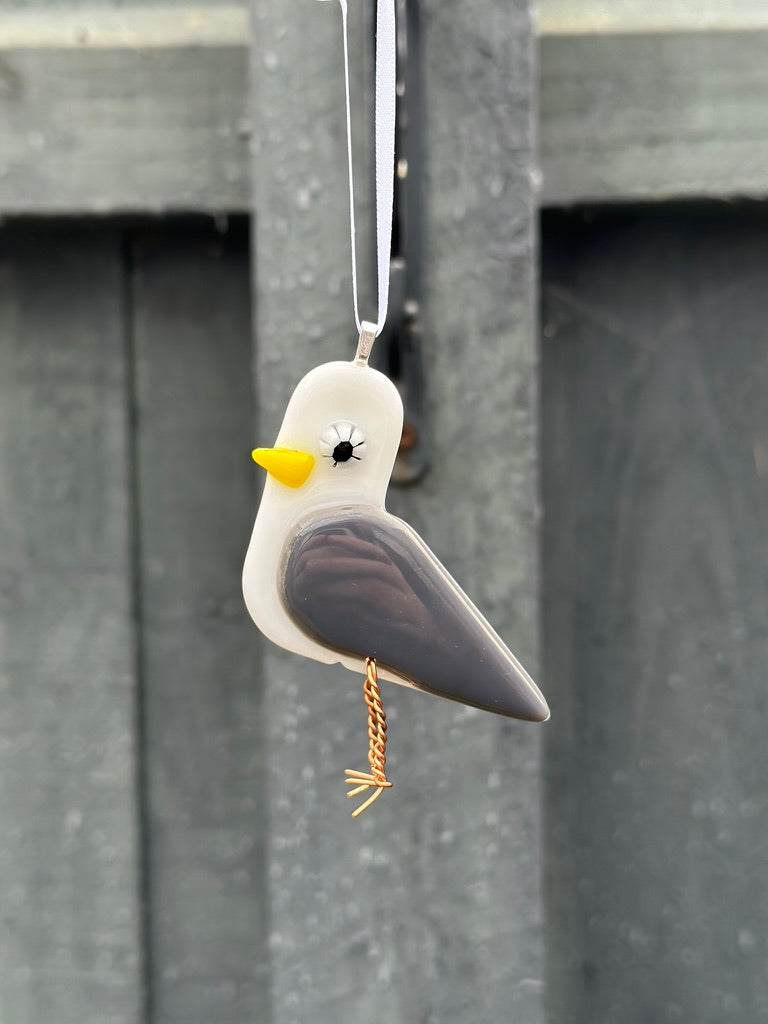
x=385, y=111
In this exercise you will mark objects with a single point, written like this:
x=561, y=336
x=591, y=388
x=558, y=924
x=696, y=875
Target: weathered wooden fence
x=175, y=843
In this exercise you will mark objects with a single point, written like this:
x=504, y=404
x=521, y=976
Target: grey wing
x=362, y=582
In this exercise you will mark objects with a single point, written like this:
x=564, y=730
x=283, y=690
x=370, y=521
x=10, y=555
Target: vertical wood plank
x=656, y=498
x=70, y=934
x=205, y=816
x=428, y=908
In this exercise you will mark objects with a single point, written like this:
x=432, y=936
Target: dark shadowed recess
x=655, y=568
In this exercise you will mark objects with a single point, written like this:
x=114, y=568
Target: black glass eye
x=342, y=443
x=343, y=451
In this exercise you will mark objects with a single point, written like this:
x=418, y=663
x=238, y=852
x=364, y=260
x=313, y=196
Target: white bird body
x=369, y=399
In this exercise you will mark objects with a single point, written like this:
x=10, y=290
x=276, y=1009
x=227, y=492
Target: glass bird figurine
x=331, y=575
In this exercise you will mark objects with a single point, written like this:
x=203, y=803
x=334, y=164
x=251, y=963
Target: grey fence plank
x=114, y=10
x=653, y=115
x=596, y=17
x=140, y=110
x=428, y=907
x=656, y=492
x=144, y=107
x=70, y=946
x=205, y=817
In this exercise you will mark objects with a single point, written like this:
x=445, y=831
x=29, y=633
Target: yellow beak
x=284, y=464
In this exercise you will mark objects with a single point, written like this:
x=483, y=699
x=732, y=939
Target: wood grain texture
x=70, y=933
x=141, y=127
x=653, y=116
x=656, y=560
x=205, y=815
x=636, y=101
x=427, y=908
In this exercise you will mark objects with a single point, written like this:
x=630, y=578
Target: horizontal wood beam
x=624, y=17
x=95, y=26
x=656, y=116
x=136, y=109
x=142, y=109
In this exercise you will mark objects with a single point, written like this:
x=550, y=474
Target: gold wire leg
x=377, y=744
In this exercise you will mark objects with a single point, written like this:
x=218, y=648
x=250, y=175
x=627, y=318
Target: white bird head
x=338, y=440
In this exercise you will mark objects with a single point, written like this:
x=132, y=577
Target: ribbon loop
x=385, y=114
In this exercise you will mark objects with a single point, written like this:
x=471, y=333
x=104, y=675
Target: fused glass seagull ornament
x=331, y=575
